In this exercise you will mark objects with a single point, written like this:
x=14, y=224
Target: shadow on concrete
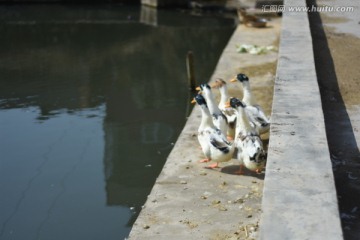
x=233, y=170
x=341, y=139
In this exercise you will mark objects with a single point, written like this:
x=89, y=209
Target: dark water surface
x=91, y=101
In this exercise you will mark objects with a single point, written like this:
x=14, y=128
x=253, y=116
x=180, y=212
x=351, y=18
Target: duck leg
x=204, y=160
x=212, y=166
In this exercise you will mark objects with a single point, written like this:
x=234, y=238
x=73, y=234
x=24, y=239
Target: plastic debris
x=255, y=49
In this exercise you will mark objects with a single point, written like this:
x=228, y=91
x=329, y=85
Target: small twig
x=246, y=232
x=191, y=70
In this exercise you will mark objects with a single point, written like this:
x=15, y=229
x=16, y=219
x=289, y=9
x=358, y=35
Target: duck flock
x=232, y=128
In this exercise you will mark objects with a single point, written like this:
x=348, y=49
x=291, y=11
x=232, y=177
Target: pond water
x=92, y=99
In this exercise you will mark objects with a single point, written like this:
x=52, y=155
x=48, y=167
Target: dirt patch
x=249, y=231
x=328, y=19
x=344, y=49
x=259, y=70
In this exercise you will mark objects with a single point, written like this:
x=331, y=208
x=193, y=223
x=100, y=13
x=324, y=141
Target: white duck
x=213, y=142
x=254, y=111
x=250, y=150
x=229, y=112
x=218, y=118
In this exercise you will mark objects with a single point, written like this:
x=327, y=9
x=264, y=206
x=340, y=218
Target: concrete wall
x=299, y=199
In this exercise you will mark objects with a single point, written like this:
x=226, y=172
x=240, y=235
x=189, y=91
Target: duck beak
x=198, y=89
x=227, y=104
x=193, y=101
x=233, y=80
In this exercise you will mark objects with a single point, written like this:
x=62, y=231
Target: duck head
x=240, y=77
x=255, y=159
x=200, y=100
x=202, y=87
x=254, y=151
x=235, y=103
x=218, y=83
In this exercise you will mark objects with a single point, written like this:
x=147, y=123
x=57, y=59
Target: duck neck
x=206, y=120
x=248, y=98
x=224, y=95
x=213, y=108
x=242, y=122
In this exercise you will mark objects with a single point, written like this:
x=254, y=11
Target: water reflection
x=86, y=96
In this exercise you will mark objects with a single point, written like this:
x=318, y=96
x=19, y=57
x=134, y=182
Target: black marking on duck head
x=205, y=85
x=235, y=102
x=256, y=158
x=242, y=77
x=200, y=100
x=259, y=157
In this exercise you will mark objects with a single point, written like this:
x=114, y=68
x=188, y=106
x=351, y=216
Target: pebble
x=222, y=208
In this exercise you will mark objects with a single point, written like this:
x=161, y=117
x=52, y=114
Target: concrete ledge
x=299, y=198
x=190, y=202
